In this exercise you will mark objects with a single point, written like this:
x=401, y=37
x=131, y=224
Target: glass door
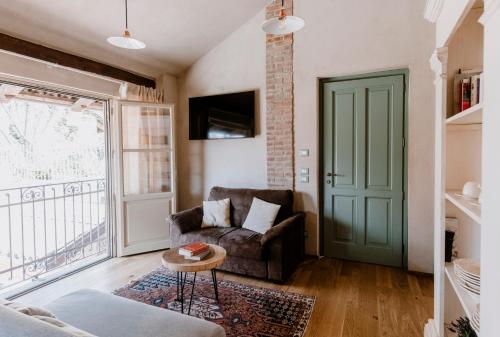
x=54, y=205
x=146, y=164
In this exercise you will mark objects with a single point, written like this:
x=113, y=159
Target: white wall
x=340, y=38
x=361, y=36
x=237, y=64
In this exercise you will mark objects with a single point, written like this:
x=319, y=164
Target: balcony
x=48, y=230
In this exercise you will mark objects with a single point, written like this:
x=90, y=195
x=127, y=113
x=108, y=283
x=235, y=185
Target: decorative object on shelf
x=471, y=190
x=283, y=24
x=468, y=276
x=126, y=41
x=462, y=328
x=451, y=229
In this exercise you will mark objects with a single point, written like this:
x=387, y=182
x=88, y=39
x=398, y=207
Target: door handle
x=329, y=174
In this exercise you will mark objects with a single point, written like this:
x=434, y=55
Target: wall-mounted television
x=222, y=116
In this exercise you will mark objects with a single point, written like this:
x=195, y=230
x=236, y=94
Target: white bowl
x=471, y=190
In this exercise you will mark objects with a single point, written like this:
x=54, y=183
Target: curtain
x=153, y=167
x=134, y=92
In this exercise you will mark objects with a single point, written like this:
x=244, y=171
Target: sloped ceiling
x=176, y=32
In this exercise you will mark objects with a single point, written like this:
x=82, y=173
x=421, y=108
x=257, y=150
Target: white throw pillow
x=216, y=213
x=261, y=216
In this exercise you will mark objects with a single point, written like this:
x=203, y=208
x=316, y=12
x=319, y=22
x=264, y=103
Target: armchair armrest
x=187, y=220
x=280, y=229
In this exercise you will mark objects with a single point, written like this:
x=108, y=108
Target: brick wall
x=279, y=99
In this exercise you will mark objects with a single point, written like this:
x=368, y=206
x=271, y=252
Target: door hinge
x=404, y=142
x=403, y=194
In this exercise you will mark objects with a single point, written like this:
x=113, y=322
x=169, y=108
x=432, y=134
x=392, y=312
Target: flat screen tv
x=222, y=116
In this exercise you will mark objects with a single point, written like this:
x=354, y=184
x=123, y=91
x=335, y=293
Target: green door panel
x=363, y=157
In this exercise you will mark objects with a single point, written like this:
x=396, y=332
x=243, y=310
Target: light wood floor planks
x=352, y=299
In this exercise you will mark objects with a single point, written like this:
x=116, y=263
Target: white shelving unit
x=468, y=302
x=473, y=115
x=467, y=148
x=469, y=207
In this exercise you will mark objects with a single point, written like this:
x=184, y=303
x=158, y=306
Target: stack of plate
x=468, y=276
x=474, y=321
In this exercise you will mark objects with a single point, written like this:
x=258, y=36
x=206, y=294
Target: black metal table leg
x=178, y=285
x=192, y=291
x=216, y=286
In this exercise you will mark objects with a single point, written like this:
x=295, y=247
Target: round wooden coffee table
x=173, y=261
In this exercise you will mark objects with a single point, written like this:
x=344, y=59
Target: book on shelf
x=193, y=249
x=467, y=88
x=465, y=94
x=198, y=257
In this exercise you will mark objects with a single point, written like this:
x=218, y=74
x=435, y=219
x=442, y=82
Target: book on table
x=193, y=249
x=198, y=257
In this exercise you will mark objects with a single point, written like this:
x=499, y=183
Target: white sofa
x=104, y=315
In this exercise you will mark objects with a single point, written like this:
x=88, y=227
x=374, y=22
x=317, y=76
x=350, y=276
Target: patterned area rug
x=243, y=311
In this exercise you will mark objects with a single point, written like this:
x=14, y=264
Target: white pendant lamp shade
x=126, y=41
x=281, y=26
x=284, y=24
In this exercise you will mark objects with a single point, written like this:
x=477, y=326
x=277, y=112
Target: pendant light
x=284, y=24
x=126, y=41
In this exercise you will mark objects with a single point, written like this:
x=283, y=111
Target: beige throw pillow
x=261, y=216
x=216, y=213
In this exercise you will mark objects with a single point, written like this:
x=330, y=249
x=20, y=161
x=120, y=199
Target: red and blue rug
x=242, y=310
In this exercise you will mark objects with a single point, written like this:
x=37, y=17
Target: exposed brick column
x=279, y=99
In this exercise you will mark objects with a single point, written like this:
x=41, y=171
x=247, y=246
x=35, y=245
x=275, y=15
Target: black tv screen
x=222, y=116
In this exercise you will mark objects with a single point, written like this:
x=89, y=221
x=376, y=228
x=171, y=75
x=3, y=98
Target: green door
x=363, y=146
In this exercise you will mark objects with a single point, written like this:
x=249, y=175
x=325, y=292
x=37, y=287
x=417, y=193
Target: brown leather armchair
x=273, y=255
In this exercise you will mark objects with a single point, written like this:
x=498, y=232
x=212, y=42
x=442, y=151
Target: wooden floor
x=352, y=299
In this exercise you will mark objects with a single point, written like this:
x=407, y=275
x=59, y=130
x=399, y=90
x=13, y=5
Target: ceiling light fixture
x=284, y=24
x=126, y=41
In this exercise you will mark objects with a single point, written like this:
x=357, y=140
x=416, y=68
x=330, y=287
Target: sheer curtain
x=153, y=125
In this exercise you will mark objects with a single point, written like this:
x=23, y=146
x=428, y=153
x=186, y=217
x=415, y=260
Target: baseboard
x=430, y=329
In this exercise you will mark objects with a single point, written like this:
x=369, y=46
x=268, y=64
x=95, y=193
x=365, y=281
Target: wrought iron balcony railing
x=46, y=227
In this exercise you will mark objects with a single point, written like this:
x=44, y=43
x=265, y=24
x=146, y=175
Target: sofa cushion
x=241, y=200
x=208, y=235
x=26, y=309
x=243, y=243
x=216, y=213
x=261, y=217
x=16, y=324
x=108, y=315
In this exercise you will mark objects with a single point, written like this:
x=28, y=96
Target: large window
x=53, y=185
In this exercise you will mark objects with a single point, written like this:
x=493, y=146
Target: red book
x=193, y=249
x=465, y=102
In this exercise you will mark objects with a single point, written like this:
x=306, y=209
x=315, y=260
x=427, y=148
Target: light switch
x=304, y=152
x=304, y=179
x=304, y=171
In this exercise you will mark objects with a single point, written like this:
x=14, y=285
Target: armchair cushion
x=187, y=220
x=242, y=243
